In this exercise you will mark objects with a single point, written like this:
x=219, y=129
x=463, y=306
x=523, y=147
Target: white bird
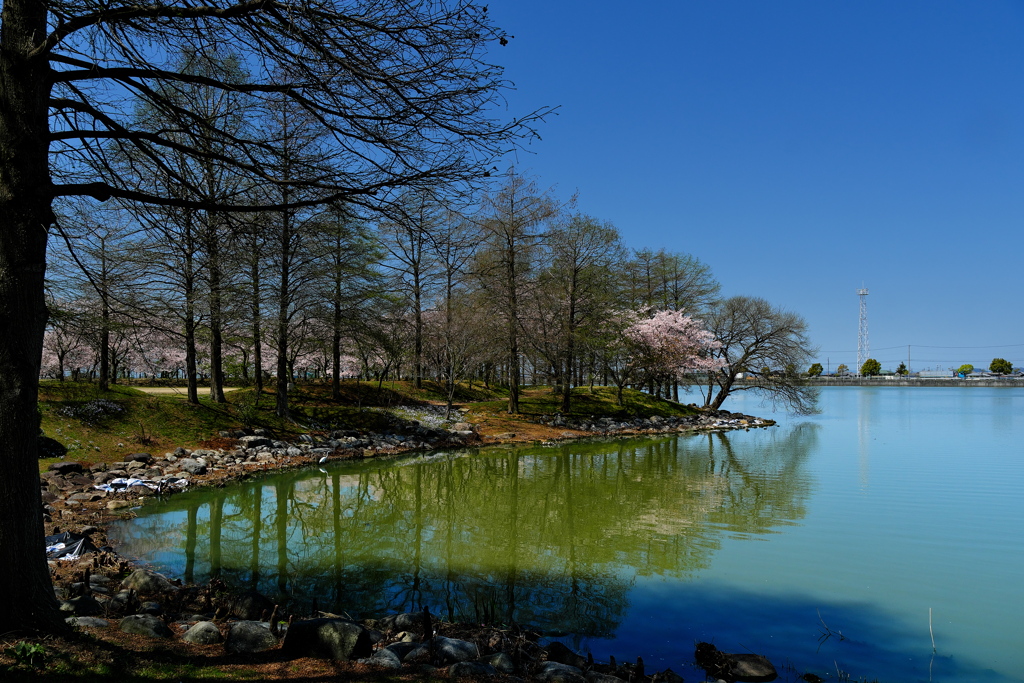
x=323, y=460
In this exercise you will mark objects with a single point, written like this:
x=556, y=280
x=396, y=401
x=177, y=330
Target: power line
x=925, y=346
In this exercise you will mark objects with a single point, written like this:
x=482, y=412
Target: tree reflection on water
x=550, y=537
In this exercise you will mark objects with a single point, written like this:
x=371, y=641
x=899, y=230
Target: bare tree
x=401, y=89
x=675, y=281
x=583, y=253
x=513, y=222
x=760, y=341
x=406, y=236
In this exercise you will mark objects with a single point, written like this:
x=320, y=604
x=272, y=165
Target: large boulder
x=450, y=650
x=247, y=637
x=203, y=633
x=386, y=659
x=192, y=466
x=145, y=625
x=65, y=467
x=327, y=639
x=145, y=582
x=443, y=651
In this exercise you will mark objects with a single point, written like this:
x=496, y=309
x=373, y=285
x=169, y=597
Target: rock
x=462, y=427
x=251, y=605
x=409, y=621
x=555, y=672
x=450, y=650
x=51, y=448
x=734, y=667
x=65, y=467
x=83, y=606
x=87, y=622
x=118, y=504
x=327, y=639
x=385, y=659
x=192, y=466
x=752, y=668
x=145, y=625
x=140, y=457
x=140, y=490
x=86, y=497
x=203, y=633
x=247, y=637
x=471, y=670
x=253, y=441
x=558, y=652
x=445, y=651
x=500, y=661
x=145, y=581
x=595, y=677
x=124, y=601
x=134, y=465
x=402, y=649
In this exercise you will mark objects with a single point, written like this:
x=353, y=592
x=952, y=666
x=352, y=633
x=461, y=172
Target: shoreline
x=73, y=505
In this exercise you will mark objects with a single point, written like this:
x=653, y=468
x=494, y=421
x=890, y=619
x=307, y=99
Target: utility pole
x=863, y=350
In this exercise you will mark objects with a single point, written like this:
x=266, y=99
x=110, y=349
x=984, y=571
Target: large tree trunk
x=25, y=195
x=216, y=324
x=336, y=345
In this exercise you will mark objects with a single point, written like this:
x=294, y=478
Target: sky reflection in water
x=858, y=520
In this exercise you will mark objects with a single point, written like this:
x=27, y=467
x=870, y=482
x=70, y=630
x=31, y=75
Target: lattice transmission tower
x=863, y=350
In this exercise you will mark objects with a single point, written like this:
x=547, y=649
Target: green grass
x=107, y=426
x=601, y=402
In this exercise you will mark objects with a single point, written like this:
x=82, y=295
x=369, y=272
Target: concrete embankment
x=914, y=382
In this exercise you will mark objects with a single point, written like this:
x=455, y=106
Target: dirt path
x=179, y=391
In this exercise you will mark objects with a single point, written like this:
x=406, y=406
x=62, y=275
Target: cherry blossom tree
x=663, y=345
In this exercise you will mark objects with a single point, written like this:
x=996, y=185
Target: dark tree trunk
x=216, y=333
x=336, y=345
x=25, y=195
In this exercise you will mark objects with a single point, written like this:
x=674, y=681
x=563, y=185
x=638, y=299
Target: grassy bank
x=105, y=426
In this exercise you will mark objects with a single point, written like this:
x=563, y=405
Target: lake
x=839, y=544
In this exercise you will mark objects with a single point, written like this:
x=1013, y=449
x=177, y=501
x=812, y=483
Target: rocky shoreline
x=145, y=603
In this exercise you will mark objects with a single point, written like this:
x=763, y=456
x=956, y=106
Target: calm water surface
x=822, y=543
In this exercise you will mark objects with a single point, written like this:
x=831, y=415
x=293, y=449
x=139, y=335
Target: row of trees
x=872, y=367
x=520, y=289
x=236, y=180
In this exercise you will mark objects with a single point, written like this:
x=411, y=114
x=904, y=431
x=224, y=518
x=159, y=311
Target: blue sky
x=802, y=150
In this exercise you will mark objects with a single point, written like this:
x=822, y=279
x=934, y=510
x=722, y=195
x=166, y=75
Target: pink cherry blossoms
x=672, y=344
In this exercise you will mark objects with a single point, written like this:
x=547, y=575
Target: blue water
x=839, y=544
